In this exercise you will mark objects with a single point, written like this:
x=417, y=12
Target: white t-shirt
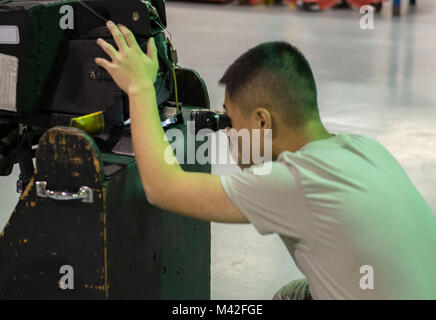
x=343, y=206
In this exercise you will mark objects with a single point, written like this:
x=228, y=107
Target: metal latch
x=85, y=193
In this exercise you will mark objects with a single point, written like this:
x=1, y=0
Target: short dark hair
x=275, y=75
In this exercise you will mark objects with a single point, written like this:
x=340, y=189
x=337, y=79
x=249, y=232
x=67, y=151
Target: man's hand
x=130, y=68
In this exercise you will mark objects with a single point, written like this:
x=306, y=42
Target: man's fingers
x=128, y=36
x=117, y=35
x=103, y=63
x=108, y=48
x=151, y=49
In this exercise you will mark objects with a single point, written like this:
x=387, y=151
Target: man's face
x=238, y=118
x=243, y=125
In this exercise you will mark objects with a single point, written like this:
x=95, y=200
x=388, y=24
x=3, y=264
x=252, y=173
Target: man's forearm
x=166, y=186
x=149, y=141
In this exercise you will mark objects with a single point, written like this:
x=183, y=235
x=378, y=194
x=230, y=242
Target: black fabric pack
x=57, y=72
x=36, y=48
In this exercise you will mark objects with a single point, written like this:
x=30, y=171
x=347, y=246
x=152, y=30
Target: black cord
x=91, y=10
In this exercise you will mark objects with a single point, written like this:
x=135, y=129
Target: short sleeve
x=273, y=202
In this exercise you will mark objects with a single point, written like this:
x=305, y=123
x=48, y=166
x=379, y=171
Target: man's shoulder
x=273, y=169
x=341, y=150
x=335, y=143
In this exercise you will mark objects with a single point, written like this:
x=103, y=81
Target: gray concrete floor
x=379, y=83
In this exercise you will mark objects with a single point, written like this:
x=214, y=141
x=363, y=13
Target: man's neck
x=292, y=140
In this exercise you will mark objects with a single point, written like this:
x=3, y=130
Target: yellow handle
x=92, y=124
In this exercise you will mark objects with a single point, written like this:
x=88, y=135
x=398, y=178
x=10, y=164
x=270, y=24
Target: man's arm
x=167, y=186
x=197, y=195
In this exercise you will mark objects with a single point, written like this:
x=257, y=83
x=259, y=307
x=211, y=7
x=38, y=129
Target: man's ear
x=262, y=118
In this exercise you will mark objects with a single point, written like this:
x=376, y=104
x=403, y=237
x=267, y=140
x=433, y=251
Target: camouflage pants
x=294, y=290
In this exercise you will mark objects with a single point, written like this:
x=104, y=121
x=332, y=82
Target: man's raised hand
x=130, y=68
